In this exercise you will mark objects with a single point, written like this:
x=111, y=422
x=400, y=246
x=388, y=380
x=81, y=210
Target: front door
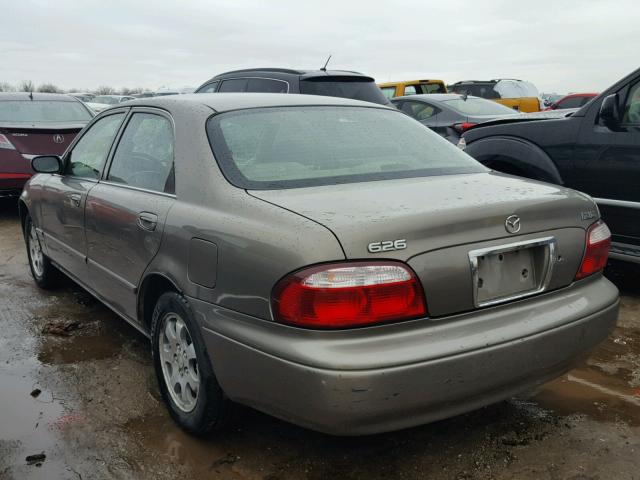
x=607, y=166
x=65, y=195
x=126, y=211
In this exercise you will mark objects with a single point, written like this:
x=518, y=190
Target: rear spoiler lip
x=43, y=125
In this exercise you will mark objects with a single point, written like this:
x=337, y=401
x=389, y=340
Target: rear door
x=126, y=211
x=65, y=195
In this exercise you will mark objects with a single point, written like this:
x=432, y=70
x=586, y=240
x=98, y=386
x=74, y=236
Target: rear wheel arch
x=515, y=156
x=151, y=289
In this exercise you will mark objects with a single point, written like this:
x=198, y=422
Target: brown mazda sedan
x=328, y=261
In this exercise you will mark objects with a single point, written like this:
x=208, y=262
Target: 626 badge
x=387, y=245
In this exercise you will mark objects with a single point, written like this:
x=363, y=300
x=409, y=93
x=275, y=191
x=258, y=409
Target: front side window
x=290, y=147
x=43, y=111
x=209, y=88
x=89, y=154
x=632, y=108
x=267, y=85
x=144, y=156
x=234, y=85
x=573, y=102
x=419, y=110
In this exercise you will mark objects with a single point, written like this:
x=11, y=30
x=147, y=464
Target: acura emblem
x=512, y=224
x=57, y=138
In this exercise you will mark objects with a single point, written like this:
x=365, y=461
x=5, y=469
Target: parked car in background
x=332, y=83
x=83, y=97
x=517, y=94
x=451, y=114
x=34, y=124
x=412, y=87
x=101, y=102
x=573, y=100
x=143, y=95
x=596, y=150
x=328, y=261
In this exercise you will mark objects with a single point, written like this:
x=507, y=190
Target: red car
x=34, y=124
x=573, y=100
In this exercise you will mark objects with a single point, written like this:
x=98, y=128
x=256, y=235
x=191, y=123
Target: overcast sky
x=559, y=45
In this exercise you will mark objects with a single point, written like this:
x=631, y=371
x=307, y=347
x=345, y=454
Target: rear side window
x=345, y=87
x=234, y=85
x=89, y=154
x=388, y=92
x=478, y=106
x=419, y=110
x=144, y=156
x=267, y=85
x=209, y=88
x=432, y=88
x=292, y=147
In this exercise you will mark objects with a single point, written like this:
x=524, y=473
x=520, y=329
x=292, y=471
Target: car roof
x=34, y=96
x=284, y=73
x=223, y=102
x=431, y=81
x=434, y=97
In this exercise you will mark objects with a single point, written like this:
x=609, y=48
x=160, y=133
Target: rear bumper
x=450, y=373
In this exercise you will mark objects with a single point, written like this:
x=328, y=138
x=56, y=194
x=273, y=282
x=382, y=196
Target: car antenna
x=464, y=96
x=31, y=94
x=324, y=69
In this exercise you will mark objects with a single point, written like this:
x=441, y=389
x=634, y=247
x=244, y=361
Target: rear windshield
x=289, y=147
x=42, y=111
x=479, y=106
x=345, y=87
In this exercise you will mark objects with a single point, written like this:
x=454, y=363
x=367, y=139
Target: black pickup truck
x=595, y=149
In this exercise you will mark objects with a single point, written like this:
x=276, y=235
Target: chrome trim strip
x=548, y=242
x=118, y=278
x=138, y=189
x=617, y=203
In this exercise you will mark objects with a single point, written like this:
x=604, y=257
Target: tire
x=210, y=409
x=43, y=272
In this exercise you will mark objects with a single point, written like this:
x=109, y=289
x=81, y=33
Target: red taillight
x=5, y=143
x=463, y=127
x=343, y=295
x=596, y=250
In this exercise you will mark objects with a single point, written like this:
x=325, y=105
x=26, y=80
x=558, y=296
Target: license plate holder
x=508, y=272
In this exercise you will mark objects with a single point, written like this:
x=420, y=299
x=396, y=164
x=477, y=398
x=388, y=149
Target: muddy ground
x=99, y=415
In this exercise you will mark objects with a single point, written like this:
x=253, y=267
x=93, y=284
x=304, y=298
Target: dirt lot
x=98, y=413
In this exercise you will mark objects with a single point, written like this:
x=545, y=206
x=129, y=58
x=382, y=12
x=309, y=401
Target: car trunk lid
x=40, y=138
x=441, y=219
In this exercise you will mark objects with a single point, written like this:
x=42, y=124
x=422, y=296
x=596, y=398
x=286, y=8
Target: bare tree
x=130, y=91
x=49, y=88
x=7, y=87
x=26, y=86
x=104, y=90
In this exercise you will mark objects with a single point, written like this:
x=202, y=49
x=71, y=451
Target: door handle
x=75, y=199
x=147, y=221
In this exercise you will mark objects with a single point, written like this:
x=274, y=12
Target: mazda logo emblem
x=57, y=138
x=512, y=224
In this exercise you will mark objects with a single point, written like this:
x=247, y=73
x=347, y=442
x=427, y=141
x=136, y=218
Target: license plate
x=511, y=271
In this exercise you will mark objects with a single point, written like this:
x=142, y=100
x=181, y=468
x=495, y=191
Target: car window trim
x=83, y=132
x=114, y=147
x=222, y=80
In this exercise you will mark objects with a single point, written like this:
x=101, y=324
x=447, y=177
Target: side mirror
x=46, y=164
x=609, y=113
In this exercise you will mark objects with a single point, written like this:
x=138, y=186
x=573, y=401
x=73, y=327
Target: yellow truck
x=412, y=87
